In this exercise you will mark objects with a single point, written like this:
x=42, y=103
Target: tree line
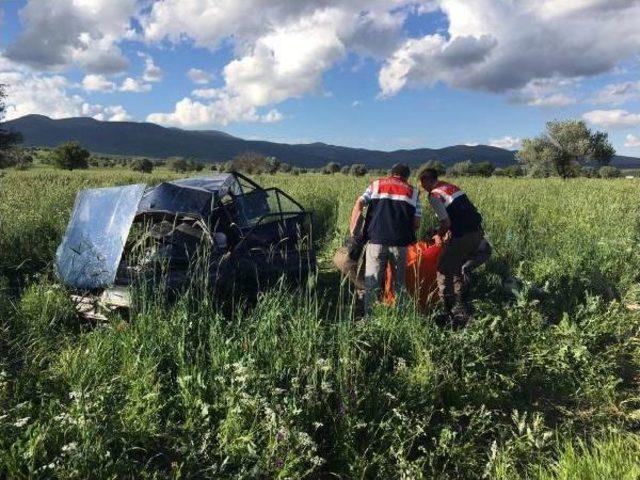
x=566, y=149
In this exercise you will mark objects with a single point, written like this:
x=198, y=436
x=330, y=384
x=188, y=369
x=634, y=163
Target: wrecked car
x=247, y=237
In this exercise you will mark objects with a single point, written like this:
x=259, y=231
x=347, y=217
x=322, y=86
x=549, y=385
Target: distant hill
x=151, y=140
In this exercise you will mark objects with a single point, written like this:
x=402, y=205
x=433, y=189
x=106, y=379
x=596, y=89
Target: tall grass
x=536, y=387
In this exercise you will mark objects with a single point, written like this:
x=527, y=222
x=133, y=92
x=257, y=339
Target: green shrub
x=609, y=172
x=143, y=165
x=70, y=156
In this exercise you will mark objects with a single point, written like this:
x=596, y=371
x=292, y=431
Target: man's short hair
x=429, y=174
x=401, y=170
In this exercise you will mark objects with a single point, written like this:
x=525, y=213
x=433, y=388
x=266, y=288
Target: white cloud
x=199, y=77
x=272, y=116
x=189, y=113
x=544, y=93
x=112, y=113
x=523, y=41
x=302, y=50
x=286, y=62
x=356, y=103
x=132, y=85
x=30, y=93
x=433, y=58
x=97, y=83
x=612, y=118
x=281, y=53
x=633, y=141
x=507, y=142
x=63, y=33
x=372, y=25
x=206, y=93
x=152, y=73
x=618, y=93
x=224, y=109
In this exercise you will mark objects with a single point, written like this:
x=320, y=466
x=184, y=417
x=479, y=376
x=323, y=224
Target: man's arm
x=355, y=215
x=443, y=217
x=361, y=202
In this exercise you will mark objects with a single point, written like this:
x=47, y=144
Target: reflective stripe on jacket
x=462, y=213
x=393, y=205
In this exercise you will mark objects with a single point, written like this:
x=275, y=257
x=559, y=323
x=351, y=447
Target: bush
x=143, y=165
x=344, y=170
x=331, y=168
x=193, y=166
x=437, y=165
x=511, y=171
x=460, y=169
x=284, y=168
x=19, y=158
x=609, y=171
x=358, y=170
x=177, y=165
x=482, y=169
x=70, y=156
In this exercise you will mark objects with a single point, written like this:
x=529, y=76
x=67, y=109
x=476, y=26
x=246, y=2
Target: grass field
x=542, y=385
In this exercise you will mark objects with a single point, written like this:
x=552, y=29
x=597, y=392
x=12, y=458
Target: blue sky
x=383, y=74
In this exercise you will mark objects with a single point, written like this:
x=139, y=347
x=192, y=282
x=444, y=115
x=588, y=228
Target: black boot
x=460, y=316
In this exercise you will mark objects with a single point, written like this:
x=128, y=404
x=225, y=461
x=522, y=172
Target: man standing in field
x=459, y=234
x=393, y=217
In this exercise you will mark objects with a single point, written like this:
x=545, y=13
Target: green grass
x=539, y=386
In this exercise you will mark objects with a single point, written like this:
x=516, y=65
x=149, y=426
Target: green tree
x=344, y=170
x=460, y=169
x=254, y=163
x=511, y=171
x=71, y=156
x=143, y=165
x=193, y=166
x=564, y=148
x=331, y=168
x=358, y=170
x=482, y=169
x=8, y=139
x=608, y=171
x=177, y=164
x=285, y=168
x=437, y=165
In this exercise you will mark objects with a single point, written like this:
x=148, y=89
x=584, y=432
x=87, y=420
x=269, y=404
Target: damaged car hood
x=92, y=247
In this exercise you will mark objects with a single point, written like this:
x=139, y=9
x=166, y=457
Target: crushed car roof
x=187, y=195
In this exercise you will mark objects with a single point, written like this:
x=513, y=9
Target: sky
x=380, y=74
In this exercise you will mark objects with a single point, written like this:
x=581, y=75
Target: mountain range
x=151, y=140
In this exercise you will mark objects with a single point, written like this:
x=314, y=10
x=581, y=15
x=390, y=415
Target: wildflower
x=317, y=425
x=21, y=422
x=317, y=461
x=279, y=463
x=69, y=447
x=305, y=439
x=326, y=387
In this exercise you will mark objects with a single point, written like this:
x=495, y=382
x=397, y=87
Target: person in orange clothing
x=459, y=234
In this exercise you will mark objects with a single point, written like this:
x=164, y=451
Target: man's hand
x=437, y=239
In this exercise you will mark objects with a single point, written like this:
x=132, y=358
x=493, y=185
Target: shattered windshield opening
x=90, y=252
